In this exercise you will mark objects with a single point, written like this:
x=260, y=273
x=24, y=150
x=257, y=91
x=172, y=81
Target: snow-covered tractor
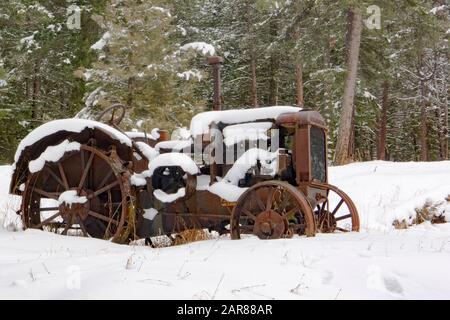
x=252, y=171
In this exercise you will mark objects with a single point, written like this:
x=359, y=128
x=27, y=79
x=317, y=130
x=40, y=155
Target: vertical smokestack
x=215, y=62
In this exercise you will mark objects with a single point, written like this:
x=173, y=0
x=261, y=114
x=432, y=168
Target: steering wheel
x=114, y=120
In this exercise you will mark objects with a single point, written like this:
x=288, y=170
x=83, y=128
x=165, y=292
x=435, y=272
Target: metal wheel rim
x=30, y=190
x=301, y=204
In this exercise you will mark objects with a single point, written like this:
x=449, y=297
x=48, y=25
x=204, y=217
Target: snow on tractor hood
x=201, y=122
x=54, y=133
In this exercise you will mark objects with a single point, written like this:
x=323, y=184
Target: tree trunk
x=35, y=92
x=273, y=83
x=298, y=72
x=423, y=123
x=130, y=91
x=351, y=140
x=254, y=83
x=274, y=66
x=299, y=81
x=444, y=126
x=342, y=146
x=299, y=84
x=381, y=152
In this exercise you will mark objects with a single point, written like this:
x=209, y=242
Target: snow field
x=377, y=263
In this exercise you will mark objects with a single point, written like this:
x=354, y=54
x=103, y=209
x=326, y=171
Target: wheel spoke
x=63, y=176
x=54, y=176
x=344, y=217
x=284, y=200
x=102, y=217
x=337, y=207
x=46, y=194
x=290, y=212
x=48, y=220
x=82, y=159
x=85, y=172
x=323, y=206
x=258, y=201
x=105, y=178
x=48, y=209
x=105, y=188
x=270, y=199
x=249, y=214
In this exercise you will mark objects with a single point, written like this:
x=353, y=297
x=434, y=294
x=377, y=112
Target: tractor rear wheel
x=86, y=192
x=272, y=210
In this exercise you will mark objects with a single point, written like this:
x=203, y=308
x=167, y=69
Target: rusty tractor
x=90, y=178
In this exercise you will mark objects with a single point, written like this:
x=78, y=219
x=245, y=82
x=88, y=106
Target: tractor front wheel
x=337, y=213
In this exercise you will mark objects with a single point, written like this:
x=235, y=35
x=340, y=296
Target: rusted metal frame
x=302, y=158
x=325, y=132
x=200, y=215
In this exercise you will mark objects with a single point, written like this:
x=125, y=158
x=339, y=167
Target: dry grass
x=184, y=237
x=430, y=211
x=191, y=235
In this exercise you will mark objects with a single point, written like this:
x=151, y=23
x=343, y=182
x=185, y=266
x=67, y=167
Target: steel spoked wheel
x=85, y=193
x=337, y=213
x=272, y=210
x=114, y=118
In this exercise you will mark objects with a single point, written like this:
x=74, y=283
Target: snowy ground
x=377, y=263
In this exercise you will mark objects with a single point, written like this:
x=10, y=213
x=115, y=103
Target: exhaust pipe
x=215, y=62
